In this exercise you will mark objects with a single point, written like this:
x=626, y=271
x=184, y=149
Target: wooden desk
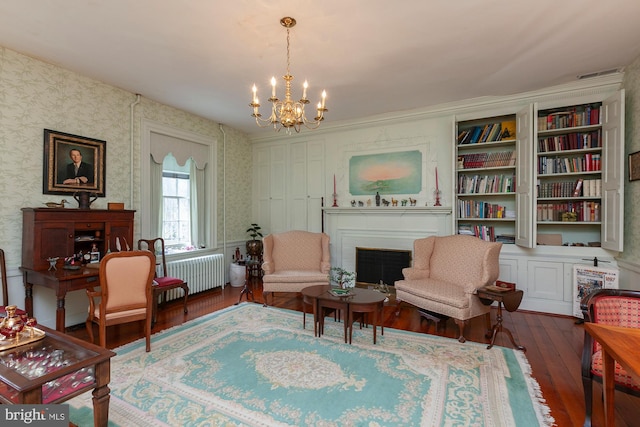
x=621, y=345
x=55, y=369
x=61, y=281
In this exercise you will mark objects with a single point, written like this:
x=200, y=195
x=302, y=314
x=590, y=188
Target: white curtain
x=156, y=200
x=198, y=211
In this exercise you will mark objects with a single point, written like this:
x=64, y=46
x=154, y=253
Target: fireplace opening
x=373, y=265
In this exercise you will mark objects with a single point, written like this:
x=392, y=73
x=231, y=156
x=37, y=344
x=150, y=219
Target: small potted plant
x=343, y=278
x=254, y=246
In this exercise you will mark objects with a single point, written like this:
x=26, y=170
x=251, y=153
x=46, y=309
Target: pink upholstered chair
x=294, y=260
x=616, y=307
x=125, y=293
x=162, y=284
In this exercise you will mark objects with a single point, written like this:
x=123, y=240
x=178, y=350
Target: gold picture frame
x=60, y=176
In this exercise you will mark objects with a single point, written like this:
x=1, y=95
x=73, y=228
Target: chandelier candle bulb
x=304, y=90
x=273, y=87
x=324, y=96
x=254, y=89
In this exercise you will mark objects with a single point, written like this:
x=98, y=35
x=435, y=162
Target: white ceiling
x=371, y=56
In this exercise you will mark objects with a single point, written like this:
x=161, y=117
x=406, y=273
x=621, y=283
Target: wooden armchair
x=616, y=307
x=5, y=288
x=162, y=284
x=125, y=293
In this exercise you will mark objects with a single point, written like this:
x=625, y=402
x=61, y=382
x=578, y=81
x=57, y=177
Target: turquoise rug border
x=518, y=365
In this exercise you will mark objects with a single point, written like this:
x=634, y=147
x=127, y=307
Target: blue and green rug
x=256, y=366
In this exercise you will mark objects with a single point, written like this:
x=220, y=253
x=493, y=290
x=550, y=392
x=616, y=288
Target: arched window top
x=181, y=149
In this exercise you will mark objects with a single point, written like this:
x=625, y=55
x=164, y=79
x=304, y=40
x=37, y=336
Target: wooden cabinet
x=48, y=233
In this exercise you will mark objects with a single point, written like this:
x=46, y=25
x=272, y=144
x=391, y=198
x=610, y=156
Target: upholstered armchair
x=614, y=307
x=294, y=260
x=125, y=293
x=445, y=275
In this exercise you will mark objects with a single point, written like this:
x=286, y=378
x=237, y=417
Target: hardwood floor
x=554, y=346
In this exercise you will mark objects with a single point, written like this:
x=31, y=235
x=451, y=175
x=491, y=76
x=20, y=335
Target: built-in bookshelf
x=485, y=172
x=569, y=154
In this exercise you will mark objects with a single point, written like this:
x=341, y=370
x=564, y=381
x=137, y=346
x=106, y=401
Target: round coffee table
x=358, y=301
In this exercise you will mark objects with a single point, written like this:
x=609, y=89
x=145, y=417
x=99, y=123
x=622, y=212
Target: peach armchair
x=445, y=275
x=294, y=260
x=125, y=293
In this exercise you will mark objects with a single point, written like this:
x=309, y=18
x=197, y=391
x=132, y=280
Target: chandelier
x=287, y=113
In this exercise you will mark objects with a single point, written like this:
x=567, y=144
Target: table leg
x=101, y=394
x=60, y=312
x=498, y=327
x=28, y=296
x=609, y=388
x=246, y=290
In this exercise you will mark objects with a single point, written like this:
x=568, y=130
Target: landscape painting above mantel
x=386, y=173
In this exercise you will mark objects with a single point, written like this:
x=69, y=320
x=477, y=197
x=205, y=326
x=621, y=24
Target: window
x=176, y=208
x=178, y=191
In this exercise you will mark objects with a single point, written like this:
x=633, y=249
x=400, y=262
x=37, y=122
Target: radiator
x=201, y=273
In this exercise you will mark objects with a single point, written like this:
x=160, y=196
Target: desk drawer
x=83, y=226
x=82, y=282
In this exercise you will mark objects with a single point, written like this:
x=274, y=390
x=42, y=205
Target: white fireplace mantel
x=382, y=228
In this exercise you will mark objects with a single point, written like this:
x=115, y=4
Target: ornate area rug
x=255, y=365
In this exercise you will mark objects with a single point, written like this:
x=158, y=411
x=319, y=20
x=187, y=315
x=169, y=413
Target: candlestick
x=437, y=203
x=335, y=193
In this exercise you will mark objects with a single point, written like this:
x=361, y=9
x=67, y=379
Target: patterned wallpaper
x=631, y=85
x=35, y=95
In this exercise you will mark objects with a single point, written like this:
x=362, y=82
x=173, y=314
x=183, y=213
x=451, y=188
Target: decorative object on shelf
x=394, y=202
x=56, y=205
x=84, y=199
x=288, y=114
x=377, y=198
x=52, y=263
x=335, y=193
x=361, y=203
x=385, y=202
x=353, y=203
x=254, y=246
x=343, y=278
x=437, y=192
x=412, y=202
x=368, y=203
x=404, y=202
x=73, y=163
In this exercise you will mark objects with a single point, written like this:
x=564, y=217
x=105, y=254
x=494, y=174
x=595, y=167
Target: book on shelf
x=578, y=188
x=508, y=130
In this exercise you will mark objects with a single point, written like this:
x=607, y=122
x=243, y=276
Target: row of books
x=490, y=132
x=480, y=209
x=477, y=184
x=487, y=160
x=583, y=115
x=587, y=163
x=585, y=211
x=579, y=188
x=571, y=141
x=483, y=232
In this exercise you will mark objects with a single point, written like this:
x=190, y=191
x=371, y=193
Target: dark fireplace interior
x=373, y=265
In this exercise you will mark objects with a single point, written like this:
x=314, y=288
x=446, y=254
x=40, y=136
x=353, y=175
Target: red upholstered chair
x=616, y=307
x=164, y=283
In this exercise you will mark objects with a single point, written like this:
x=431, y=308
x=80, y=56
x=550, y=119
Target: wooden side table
x=511, y=300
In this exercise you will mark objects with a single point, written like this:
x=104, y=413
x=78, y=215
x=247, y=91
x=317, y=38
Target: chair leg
x=185, y=288
x=89, y=326
x=587, y=384
x=147, y=333
x=461, y=325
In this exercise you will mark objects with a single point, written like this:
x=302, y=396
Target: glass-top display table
x=55, y=369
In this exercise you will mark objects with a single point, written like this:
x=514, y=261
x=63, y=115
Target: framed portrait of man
x=73, y=163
